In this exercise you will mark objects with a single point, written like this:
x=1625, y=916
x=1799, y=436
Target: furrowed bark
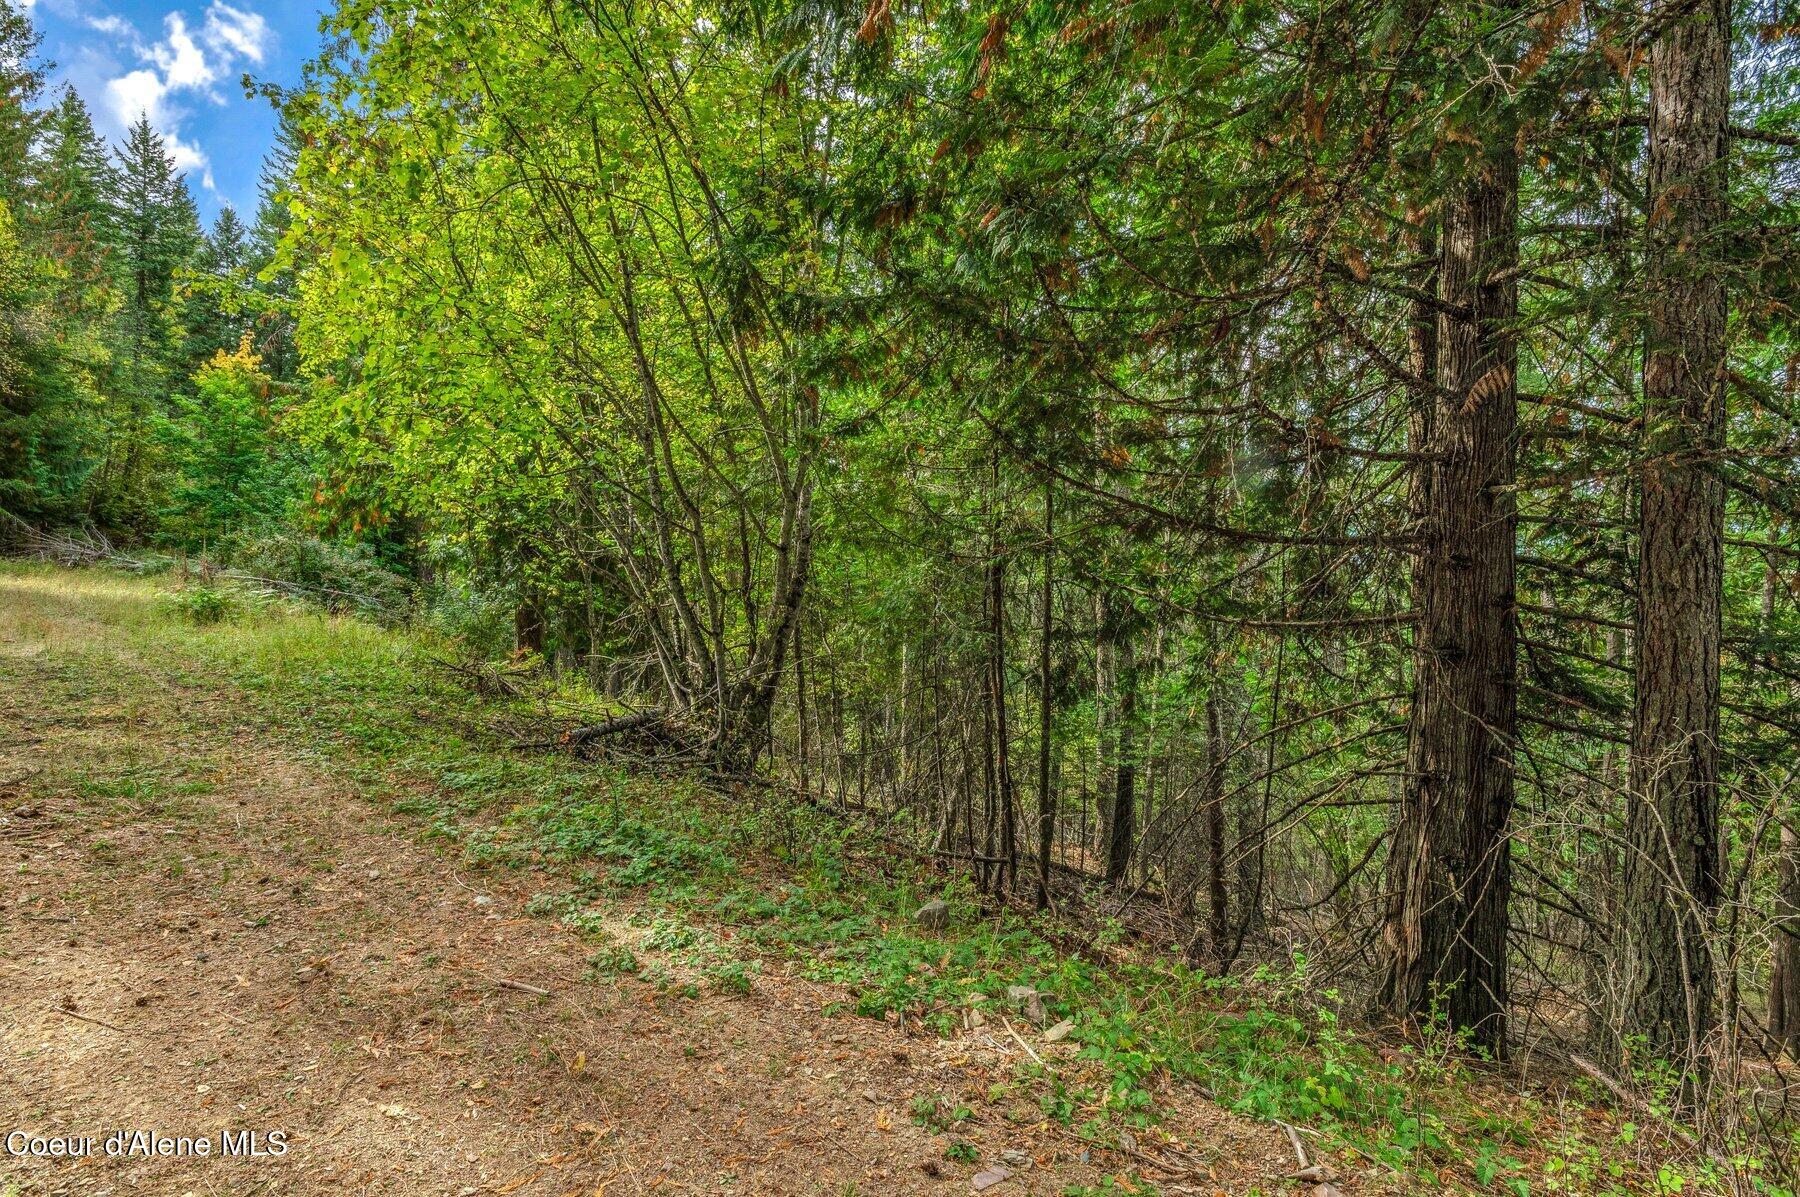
x=1671, y=872
x=1450, y=874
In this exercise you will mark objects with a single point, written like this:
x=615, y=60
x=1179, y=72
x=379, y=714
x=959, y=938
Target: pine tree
x=1673, y=878
x=159, y=230
x=21, y=82
x=45, y=392
x=218, y=290
x=40, y=383
x=273, y=284
x=71, y=209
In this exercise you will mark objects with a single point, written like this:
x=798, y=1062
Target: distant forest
x=1309, y=479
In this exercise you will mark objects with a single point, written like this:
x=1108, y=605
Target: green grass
x=697, y=890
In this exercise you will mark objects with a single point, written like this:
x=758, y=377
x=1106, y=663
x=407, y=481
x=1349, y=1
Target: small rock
x=202, y=957
x=373, y=874
x=1014, y=1158
x=482, y=901
x=1059, y=1032
x=32, y=811
x=1326, y=1190
x=1032, y=1002
x=988, y=1177
x=934, y=914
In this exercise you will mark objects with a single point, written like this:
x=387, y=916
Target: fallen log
x=611, y=727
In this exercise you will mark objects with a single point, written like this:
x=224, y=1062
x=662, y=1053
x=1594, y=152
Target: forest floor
x=230, y=903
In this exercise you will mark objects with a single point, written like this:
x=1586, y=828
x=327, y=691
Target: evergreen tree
x=71, y=203
x=41, y=379
x=159, y=231
x=43, y=392
x=21, y=82
x=218, y=286
x=270, y=264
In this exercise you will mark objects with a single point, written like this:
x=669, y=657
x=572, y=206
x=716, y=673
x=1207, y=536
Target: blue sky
x=181, y=63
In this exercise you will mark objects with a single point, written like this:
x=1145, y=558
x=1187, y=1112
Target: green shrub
x=339, y=577
x=481, y=624
x=617, y=961
x=205, y=604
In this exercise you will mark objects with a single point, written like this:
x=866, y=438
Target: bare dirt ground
x=200, y=931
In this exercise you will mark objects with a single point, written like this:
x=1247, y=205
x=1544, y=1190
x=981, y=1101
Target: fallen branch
x=611, y=727
x=1625, y=1098
x=1025, y=1045
x=99, y=1022
x=1299, y=1147
x=505, y=983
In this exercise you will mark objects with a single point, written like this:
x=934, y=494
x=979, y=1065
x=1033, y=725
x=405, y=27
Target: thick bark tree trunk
x=1672, y=882
x=1450, y=873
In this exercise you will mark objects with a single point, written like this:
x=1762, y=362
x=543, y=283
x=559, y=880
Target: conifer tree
x=158, y=234
x=71, y=208
x=270, y=263
x=218, y=312
x=21, y=81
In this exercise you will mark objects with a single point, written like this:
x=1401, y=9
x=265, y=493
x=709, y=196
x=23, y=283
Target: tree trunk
x=1105, y=717
x=528, y=629
x=1784, y=972
x=803, y=747
x=1213, y=796
x=1450, y=868
x=1009, y=836
x=1121, y=821
x=1046, y=813
x=1672, y=882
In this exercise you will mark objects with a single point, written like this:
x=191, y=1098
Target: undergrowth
x=698, y=890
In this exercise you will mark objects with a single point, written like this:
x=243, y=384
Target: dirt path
x=201, y=933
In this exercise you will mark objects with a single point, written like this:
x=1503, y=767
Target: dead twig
x=1625, y=1098
x=99, y=1022
x=1025, y=1045
x=1299, y=1148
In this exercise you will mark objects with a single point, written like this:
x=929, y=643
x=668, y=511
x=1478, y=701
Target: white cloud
x=183, y=63
x=190, y=157
x=112, y=26
x=233, y=29
x=139, y=93
x=179, y=65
